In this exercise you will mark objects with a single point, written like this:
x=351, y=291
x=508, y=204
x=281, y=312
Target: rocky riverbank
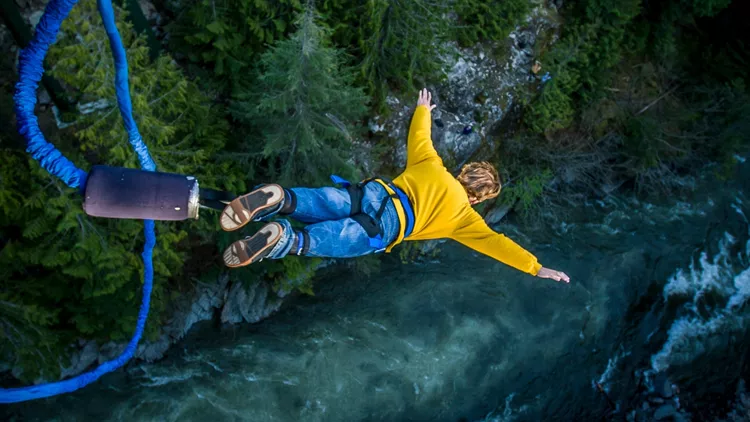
x=227, y=301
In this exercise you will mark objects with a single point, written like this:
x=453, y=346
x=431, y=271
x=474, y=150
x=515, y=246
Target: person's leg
x=342, y=238
x=313, y=205
x=307, y=205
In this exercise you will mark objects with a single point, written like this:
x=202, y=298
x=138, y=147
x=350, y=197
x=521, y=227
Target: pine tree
x=64, y=275
x=228, y=35
x=481, y=20
x=303, y=105
x=402, y=43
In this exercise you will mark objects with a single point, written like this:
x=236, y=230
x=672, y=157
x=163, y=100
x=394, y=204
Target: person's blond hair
x=480, y=180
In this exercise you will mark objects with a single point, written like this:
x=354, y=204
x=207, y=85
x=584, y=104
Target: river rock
x=497, y=214
x=663, y=386
x=81, y=359
x=666, y=389
x=187, y=311
x=250, y=304
x=35, y=17
x=679, y=417
x=665, y=412
x=43, y=98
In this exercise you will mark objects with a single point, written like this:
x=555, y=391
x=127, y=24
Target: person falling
x=424, y=202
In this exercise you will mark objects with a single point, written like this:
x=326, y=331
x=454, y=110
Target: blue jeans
x=332, y=232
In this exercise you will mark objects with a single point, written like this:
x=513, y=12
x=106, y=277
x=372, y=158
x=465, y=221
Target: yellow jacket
x=441, y=206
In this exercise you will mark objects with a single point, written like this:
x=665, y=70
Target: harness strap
x=215, y=199
x=370, y=224
x=355, y=195
x=406, y=205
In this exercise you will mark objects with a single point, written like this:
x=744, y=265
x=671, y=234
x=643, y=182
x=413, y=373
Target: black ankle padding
x=290, y=202
x=305, y=242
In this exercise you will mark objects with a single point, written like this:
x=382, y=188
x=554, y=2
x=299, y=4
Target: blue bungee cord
x=30, y=69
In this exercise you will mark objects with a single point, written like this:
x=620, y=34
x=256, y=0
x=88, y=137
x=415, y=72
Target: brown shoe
x=252, y=206
x=254, y=248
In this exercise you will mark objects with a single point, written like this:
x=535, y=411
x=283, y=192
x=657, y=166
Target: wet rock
x=81, y=360
x=657, y=400
x=665, y=412
x=196, y=307
x=249, y=304
x=43, y=98
x=457, y=145
x=631, y=416
x=666, y=390
x=148, y=9
x=679, y=417
x=199, y=306
x=663, y=386
x=497, y=214
x=35, y=17
x=109, y=351
x=17, y=372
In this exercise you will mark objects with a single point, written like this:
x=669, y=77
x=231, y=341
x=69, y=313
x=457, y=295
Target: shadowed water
x=654, y=287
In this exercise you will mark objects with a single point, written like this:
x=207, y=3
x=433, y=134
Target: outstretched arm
x=419, y=146
x=478, y=236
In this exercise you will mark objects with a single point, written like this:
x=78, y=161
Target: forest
x=625, y=95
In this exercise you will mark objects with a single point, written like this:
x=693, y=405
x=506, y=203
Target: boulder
x=249, y=304
x=664, y=412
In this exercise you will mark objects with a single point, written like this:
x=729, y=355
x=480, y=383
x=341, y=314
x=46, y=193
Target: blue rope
x=30, y=69
x=52, y=160
x=121, y=85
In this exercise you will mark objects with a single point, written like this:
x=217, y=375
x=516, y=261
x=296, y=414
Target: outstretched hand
x=553, y=274
x=424, y=99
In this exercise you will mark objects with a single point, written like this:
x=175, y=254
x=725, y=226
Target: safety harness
x=371, y=224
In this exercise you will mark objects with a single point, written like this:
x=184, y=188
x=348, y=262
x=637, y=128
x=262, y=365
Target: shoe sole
x=246, y=208
x=248, y=251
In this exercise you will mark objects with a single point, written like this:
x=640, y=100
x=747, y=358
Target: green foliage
x=524, y=193
x=303, y=105
x=640, y=91
x=292, y=273
x=409, y=252
x=393, y=43
x=229, y=35
x=344, y=18
x=709, y=8
x=554, y=108
x=488, y=20
x=62, y=271
x=403, y=42
x=580, y=63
